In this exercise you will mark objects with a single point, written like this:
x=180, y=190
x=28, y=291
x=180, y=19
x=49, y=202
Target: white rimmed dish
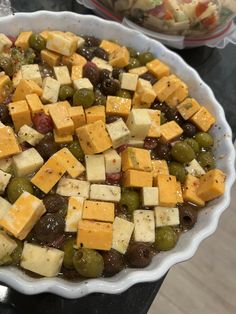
x=224, y=152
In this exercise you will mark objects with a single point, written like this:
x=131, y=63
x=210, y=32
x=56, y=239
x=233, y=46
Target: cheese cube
x=188, y=108
x=27, y=162
x=102, y=64
x=119, y=133
x=4, y=206
x=23, y=215
x=73, y=187
x=51, y=89
x=5, y=43
x=71, y=164
x=155, y=116
x=112, y=161
x=34, y=103
x=8, y=144
x=129, y=81
x=94, y=235
x=120, y=57
x=190, y=190
x=94, y=138
x=212, y=185
x=203, y=119
x=62, y=75
x=50, y=57
x=29, y=135
x=165, y=216
x=6, y=164
x=139, y=71
x=62, y=121
x=101, y=211
x=74, y=59
x=77, y=115
x=158, y=68
x=122, y=232
x=195, y=169
x=62, y=139
x=95, y=113
x=31, y=72
x=159, y=167
x=136, y=158
x=109, y=46
x=22, y=40
x=61, y=43
x=65, y=104
x=4, y=180
x=137, y=179
x=167, y=190
x=178, y=95
x=150, y=196
x=26, y=87
x=146, y=92
x=76, y=72
x=170, y=131
x=17, y=77
x=20, y=114
x=144, y=226
x=95, y=168
x=179, y=194
x=7, y=245
x=83, y=83
x=118, y=106
x=45, y=261
x=74, y=213
x=166, y=86
x=139, y=123
x=135, y=143
x=5, y=89
x=44, y=34
x=107, y=193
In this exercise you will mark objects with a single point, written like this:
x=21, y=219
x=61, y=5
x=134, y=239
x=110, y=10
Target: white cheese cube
x=31, y=72
x=62, y=43
x=107, y=193
x=27, y=162
x=150, y=196
x=112, y=161
x=50, y=90
x=136, y=142
x=74, y=213
x=122, y=232
x=144, y=226
x=166, y=216
x=62, y=75
x=129, y=81
x=29, y=135
x=102, y=64
x=82, y=83
x=95, y=168
x=5, y=164
x=140, y=70
x=139, y=123
x=4, y=206
x=73, y=187
x=80, y=41
x=44, y=261
x=4, y=180
x=195, y=169
x=7, y=245
x=119, y=133
x=17, y=77
x=5, y=43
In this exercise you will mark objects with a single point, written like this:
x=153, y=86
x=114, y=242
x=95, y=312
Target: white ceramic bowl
x=224, y=151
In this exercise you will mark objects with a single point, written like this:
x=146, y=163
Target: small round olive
x=17, y=186
x=132, y=52
x=206, y=160
x=145, y=57
x=83, y=97
x=133, y=63
x=88, y=263
x=29, y=56
x=54, y=203
x=76, y=150
x=113, y=263
x=46, y=148
x=123, y=94
x=193, y=143
x=130, y=199
x=5, y=117
x=101, y=53
x=91, y=41
x=86, y=52
x=6, y=65
x=187, y=216
x=148, y=76
x=139, y=255
x=110, y=87
x=189, y=129
x=178, y=170
x=182, y=152
x=165, y=239
x=37, y=42
x=69, y=252
x=162, y=151
x=100, y=99
x=204, y=139
x=16, y=254
x=65, y=92
x=116, y=73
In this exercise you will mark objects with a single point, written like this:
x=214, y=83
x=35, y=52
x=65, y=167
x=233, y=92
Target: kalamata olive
x=113, y=263
x=113, y=178
x=138, y=255
x=104, y=74
x=149, y=77
x=111, y=119
x=188, y=216
x=110, y=87
x=121, y=148
x=58, y=242
x=86, y=53
x=91, y=41
x=116, y=73
x=162, y=151
x=5, y=117
x=101, y=53
x=150, y=143
x=42, y=122
x=46, y=148
x=189, y=129
x=92, y=72
x=54, y=203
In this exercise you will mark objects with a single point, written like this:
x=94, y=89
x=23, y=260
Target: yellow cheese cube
x=50, y=57
x=203, y=119
x=136, y=158
x=146, y=92
x=212, y=185
x=77, y=115
x=44, y=34
x=159, y=167
x=94, y=235
x=5, y=43
x=119, y=58
x=137, y=179
x=140, y=70
x=8, y=142
x=20, y=114
x=101, y=211
x=95, y=113
x=17, y=77
x=75, y=59
x=23, y=215
x=64, y=104
x=5, y=87
x=109, y=46
x=158, y=68
x=74, y=213
x=118, y=106
x=155, y=116
x=166, y=86
x=61, y=119
x=22, y=40
x=34, y=103
x=136, y=102
x=76, y=72
x=190, y=189
x=188, y=108
x=177, y=96
x=61, y=43
x=26, y=87
x=179, y=193
x=72, y=165
x=62, y=139
x=170, y=131
x=167, y=190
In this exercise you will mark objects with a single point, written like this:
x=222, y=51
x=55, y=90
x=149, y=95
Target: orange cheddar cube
x=167, y=190
x=95, y=113
x=109, y=46
x=65, y=104
x=158, y=68
x=62, y=139
x=120, y=57
x=77, y=115
x=71, y=164
x=137, y=179
x=34, y=103
x=76, y=72
x=159, y=167
x=136, y=159
x=188, y=108
x=170, y=131
x=166, y=86
x=8, y=142
x=190, y=190
x=155, y=116
x=100, y=211
x=118, y=106
x=179, y=193
x=20, y=114
x=26, y=87
x=203, y=119
x=139, y=71
x=74, y=213
x=177, y=96
x=50, y=57
x=63, y=123
x=5, y=87
x=75, y=59
x=22, y=40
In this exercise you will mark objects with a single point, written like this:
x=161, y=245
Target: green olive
x=37, y=42
x=76, y=150
x=88, y=263
x=16, y=254
x=123, y=94
x=6, y=65
x=206, y=160
x=178, y=170
x=100, y=99
x=133, y=53
x=6, y=260
x=65, y=92
x=133, y=63
x=165, y=239
x=145, y=57
x=69, y=252
x=84, y=97
x=29, y=56
x=17, y=186
x=130, y=199
x=193, y=143
x=204, y=139
x=182, y=152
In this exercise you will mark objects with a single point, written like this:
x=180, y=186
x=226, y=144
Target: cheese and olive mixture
x=104, y=156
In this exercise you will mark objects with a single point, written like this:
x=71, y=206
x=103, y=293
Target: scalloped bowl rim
x=188, y=242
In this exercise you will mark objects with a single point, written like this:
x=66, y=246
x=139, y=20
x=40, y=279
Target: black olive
x=188, y=216
x=189, y=129
x=5, y=117
x=92, y=72
x=111, y=119
x=101, y=53
x=91, y=41
x=54, y=203
x=150, y=143
x=104, y=74
x=116, y=73
x=46, y=148
x=110, y=87
x=139, y=255
x=149, y=77
x=113, y=263
x=162, y=151
x=86, y=53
